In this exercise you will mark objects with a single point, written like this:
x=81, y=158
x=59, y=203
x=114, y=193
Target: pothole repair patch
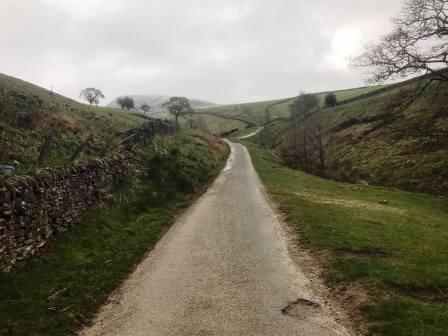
x=295, y=308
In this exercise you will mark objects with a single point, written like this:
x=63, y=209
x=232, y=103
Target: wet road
x=250, y=135
x=222, y=269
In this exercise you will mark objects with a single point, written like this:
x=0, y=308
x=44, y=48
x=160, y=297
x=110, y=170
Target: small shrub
x=330, y=100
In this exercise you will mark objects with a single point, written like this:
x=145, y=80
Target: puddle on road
x=229, y=163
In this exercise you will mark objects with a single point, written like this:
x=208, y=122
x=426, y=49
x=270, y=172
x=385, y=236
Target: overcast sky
x=225, y=51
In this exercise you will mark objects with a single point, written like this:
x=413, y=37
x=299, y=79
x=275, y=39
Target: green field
x=391, y=243
x=58, y=292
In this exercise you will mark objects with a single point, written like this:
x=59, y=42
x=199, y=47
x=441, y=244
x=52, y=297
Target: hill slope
x=366, y=139
x=373, y=140
x=256, y=111
x=29, y=114
x=156, y=101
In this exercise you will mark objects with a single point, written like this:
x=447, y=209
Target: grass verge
x=58, y=292
x=392, y=243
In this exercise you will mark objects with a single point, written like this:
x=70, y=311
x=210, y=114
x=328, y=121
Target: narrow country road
x=222, y=269
x=252, y=134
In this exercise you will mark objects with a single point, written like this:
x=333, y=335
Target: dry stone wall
x=33, y=209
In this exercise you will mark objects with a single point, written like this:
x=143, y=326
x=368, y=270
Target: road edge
x=313, y=266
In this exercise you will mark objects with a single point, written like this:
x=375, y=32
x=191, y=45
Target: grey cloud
x=222, y=51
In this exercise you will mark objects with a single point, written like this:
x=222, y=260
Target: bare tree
x=321, y=142
x=145, y=108
x=418, y=44
x=299, y=150
x=92, y=95
x=178, y=106
x=309, y=144
x=298, y=146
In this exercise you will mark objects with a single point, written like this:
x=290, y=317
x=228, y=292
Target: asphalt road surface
x=222, y=269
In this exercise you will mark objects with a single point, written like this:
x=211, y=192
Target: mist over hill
x=156, y=102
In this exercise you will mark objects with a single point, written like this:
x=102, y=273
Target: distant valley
x=156, y=102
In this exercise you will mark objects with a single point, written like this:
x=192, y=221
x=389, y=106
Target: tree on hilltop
x=126, y=103
x=178, y=106
x=92, y=95
x=304, y=105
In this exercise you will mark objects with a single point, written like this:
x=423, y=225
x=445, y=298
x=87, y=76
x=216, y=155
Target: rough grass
x=58, y=292
x=368, y=141
x=393, y=154
x=69, y=121
x=396, y=249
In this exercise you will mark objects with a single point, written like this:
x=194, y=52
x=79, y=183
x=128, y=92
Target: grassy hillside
x=373, y=139
x=390, y=244
x=256, y=112
x=376, y=141
x=58, y=292
x=29, y=113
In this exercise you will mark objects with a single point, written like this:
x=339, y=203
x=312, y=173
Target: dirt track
x=222, y=269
